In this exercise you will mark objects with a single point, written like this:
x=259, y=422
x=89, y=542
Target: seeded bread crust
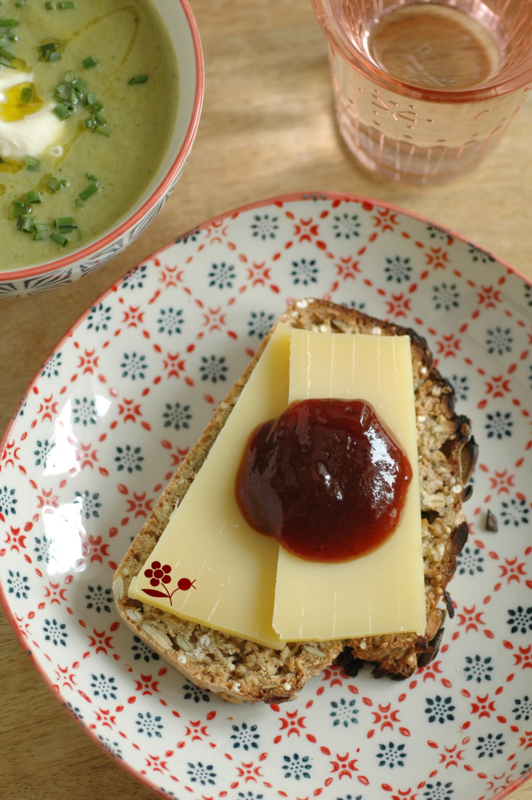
x=238, y=669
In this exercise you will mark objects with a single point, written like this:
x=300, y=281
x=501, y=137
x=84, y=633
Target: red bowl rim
x=162, y=188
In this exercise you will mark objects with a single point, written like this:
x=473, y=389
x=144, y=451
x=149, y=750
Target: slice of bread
x=239, y=669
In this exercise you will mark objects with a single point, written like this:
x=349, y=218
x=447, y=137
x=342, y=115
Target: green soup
x=109, y=69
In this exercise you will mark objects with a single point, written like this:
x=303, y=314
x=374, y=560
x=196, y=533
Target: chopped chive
x=89, y=123
x=49, y=5
x=20, y=3
x=38, y=237
x=59, y=239
x=53, y=184
x=81, y=234
x=95, y=107
x=89, y=62
x=64, y=183
x=33, y=197
x=25, y=224
x=69, y=76
x=40, y=227
x=137, y=79
x=91, y=177
x=79, y=84
x=20, y=209
x=66, y=4
x=79, y=203
x=26, y=94
x=32, y=163
x=103, y=131
x=8, y=23
x=100, y=119
x=90, y=98
x=50, y=51
x=73, y=98
x=61, y=111
x=91, y=189
x=64, y=222
x=6, y=54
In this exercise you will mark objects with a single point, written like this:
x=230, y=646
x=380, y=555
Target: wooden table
x=267, y=128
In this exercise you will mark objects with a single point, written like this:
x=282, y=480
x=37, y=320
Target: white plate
x=116, y=407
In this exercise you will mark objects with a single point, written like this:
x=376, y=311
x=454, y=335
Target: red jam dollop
x=325, y=478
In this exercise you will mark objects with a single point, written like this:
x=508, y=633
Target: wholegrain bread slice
x=239, y=669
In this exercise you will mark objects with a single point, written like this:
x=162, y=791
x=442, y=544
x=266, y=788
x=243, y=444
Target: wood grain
x=267, y=128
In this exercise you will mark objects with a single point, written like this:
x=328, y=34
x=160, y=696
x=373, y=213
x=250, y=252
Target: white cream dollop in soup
x=26, y=128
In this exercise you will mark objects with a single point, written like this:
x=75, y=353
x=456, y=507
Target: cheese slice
x=382, y=592
x=208, y=541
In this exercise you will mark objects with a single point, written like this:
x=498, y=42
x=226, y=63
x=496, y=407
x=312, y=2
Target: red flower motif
x=449, y=346
x=102, y=641
x=249, y=772
x=107, y=717
x=9, y=455
x=87, y=362
x=398, y=306
x=502, y=482
x=437, y=257
x=47, y=408
x=333, y=675
x=307, y=230
x=85, y=457
x=483, y=707
x=146, y=685
x=470, y=619
x=66, y=676
x=173, y=365
x=347, y=268
x=214, y=319
x=386, y=219
x=385, y=717
x=259, y=274
x=291, y=723
x=53, y=593
x=15, y=539
x=524, y=657
x=170, y=276
x=139, y=505
x=450, y=756
x=344, y=766
x=498, y=386
x=512, y=570
x=526, y=740
x=489, y=297
x=159, y=574
x=47, y=499
x=133, y=317
x=95, y=548
x=196, y=730
x=130, y=410
x=156, y=764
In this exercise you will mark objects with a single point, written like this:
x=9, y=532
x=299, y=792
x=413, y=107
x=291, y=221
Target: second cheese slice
x=383, y=592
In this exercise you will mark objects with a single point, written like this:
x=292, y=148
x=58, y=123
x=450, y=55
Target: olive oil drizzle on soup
x=127, y=40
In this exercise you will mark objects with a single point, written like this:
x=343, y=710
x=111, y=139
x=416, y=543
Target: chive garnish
x=50, y=51
x=49, y=5
x=40, y=227
x=64, y=222
x=91, y=177
x=26, y=94
x=91, y=98
x=89, y=62
x=79, y=203
x=66, y=4
x=103, y=131
x=91, y=189
x=25, y=224
x=19, y=209
x=6, y=54
x=59, y=239
x=69, y=76
x=38, y=237
x=32, y=163
x=64, y=183
x=53, y=184
x=62, y=111
x=33, y=197
x=8, y=23
x=100, y=119
x=137, y=79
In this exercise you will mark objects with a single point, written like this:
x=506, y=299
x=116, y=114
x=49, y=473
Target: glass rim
x=339, y=43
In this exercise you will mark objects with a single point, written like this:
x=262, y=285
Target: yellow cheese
x=382, y=592
x=207, y=539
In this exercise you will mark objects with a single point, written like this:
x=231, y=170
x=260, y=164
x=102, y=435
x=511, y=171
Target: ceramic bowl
x=41, y=277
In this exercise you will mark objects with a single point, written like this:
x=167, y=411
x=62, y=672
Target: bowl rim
x=179, y=162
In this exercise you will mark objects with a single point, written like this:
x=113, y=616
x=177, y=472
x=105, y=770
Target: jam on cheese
x=325, y=478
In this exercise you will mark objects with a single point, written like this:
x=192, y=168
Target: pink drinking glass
x=406, y=128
